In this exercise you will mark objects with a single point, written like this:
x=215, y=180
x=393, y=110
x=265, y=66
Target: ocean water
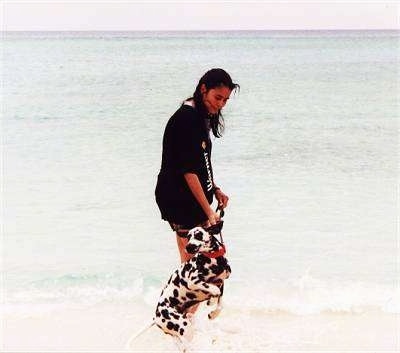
x=309, y=158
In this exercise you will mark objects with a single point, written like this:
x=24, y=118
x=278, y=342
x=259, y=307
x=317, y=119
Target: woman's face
x=215, y=98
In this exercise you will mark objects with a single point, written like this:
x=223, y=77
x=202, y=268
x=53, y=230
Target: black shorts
x=182, y=229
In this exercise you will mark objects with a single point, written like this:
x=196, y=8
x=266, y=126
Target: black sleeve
x=188, y=144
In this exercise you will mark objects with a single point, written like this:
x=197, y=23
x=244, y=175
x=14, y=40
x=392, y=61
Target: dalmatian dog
x=197, y=280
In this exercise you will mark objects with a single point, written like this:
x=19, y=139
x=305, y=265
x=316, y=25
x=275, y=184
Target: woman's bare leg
x=182, y=242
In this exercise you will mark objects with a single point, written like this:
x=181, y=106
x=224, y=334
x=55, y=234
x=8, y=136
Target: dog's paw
x=213, y=314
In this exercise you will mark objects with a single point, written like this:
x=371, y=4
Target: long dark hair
x=212, y=79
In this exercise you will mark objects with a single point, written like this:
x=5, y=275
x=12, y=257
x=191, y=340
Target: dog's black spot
x=216, y=269
x=176, y=293
x=198, y=236
x=186, y=268
x=173, y=301
x=170, y=325
x=185, y=323
x=201, y=261
x=163, y=320
x=191, y=248
x=165, y=314
x=184, y=283
x=191, y=295
x=189, y=304
x=222, y=261
x=176, y=281
x=176, y=327
x=181, y=331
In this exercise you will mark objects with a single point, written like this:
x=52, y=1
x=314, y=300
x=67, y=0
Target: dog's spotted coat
x=199, y=279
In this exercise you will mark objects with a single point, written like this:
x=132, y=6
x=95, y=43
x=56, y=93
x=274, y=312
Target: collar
x=212, y=255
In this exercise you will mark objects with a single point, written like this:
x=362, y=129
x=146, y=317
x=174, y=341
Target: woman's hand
x=213, y=218
x=221, y=198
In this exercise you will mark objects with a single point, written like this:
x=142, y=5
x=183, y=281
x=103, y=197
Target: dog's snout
x=191, y=248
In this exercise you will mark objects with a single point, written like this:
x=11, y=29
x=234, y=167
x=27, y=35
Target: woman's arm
x=221, y=197
x=195, y=187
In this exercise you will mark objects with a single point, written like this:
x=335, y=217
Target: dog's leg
x=212, y=301
x=214, y=313
x=216, y=301
x=215, y=307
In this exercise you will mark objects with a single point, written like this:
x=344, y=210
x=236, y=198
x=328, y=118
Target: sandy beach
x=107, y=328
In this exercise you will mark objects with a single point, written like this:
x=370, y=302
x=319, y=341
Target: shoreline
x=108, y=327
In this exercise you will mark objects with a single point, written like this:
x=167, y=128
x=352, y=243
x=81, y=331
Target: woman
x=185, y=185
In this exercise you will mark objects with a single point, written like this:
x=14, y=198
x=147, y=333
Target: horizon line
x=201, y=30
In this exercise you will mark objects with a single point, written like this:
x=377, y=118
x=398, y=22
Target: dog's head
x=199, y=240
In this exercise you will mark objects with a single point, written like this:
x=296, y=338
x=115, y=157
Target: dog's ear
x=215, y=229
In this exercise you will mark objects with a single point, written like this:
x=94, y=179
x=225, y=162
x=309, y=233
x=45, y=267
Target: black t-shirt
x=186, y=149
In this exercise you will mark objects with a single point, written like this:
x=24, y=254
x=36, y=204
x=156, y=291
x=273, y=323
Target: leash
x=134, y=336
x=178, y=341
x=216, y=229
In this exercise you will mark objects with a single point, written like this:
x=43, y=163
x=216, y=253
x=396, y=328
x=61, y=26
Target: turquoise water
x=309, y=159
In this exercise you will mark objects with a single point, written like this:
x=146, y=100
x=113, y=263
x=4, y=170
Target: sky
x=197, y=15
